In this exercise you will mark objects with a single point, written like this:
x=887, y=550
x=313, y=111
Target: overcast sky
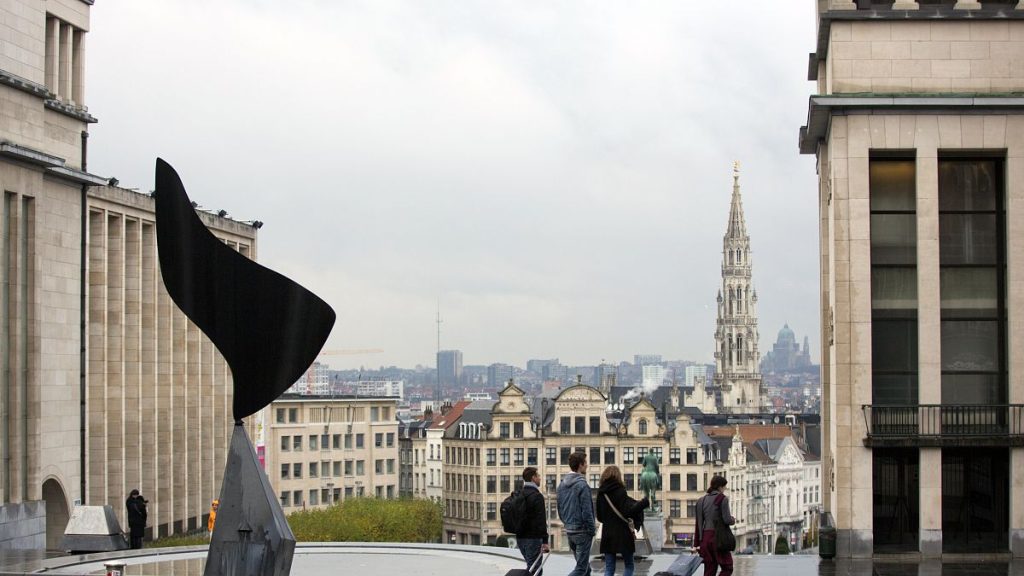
x=555, y=175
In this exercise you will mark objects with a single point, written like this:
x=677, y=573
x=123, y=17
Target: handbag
x=639, y=538
x=725, y=540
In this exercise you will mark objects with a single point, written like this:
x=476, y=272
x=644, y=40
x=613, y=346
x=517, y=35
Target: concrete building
x=498, y=374
x=646, y=359
x=105, y=385
x=653, y=376
x=449, y=368
x=395, y=388
x=737, y=359
x=918, y=132
x=321, y=450
x=315, y=381
x=691, y=373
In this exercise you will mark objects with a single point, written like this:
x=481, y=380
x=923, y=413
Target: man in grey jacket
x=576, y=510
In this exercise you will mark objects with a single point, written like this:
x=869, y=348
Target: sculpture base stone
x=251, y=536
x=654, y=526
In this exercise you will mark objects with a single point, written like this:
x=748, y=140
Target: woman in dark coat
x=616, y=537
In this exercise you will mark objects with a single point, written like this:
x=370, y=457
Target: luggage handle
x=539, y=562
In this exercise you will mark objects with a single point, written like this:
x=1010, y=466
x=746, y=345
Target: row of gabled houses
x=469, y=456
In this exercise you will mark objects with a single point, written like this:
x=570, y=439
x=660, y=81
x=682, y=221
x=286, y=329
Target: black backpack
x=513, y=512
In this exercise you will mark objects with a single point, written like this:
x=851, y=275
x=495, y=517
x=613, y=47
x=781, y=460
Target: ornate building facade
x=737, y=359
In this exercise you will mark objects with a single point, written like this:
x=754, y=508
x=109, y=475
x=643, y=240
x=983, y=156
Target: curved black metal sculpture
x=268, y=328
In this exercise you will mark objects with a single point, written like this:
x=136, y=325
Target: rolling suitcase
x=532, y=570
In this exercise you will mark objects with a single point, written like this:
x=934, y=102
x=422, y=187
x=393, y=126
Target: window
x=360, y=468
x=293, y=415
x=581, y=425
x=503, y=429
x=492, y=511
x=550, y=483
x=325, y=495
x=691, y=482
x=314, y=470
x=640, y=453
x=391, y=439
x=691, y=455
x=893, y=222
x=391, y=465
x=658, y=451
x=517, y=430
x=673, y=456
x=285, y=499
x=492, y=484
x=506, y=484
x=312, y=441
x=627, y=455
x=378, y=440
x=297, y=498
x=531, y=456
x=374, y=413
x=359, y=441
x=297, y=443
x=595, y=456
x=673, y=508
x=628, y=478
x=280, y=420
x=336, y=468
x=324, y=441
x=286, y=443
x=609, y=455
x=595, y=481
x=564, y=424
x=379, y=492
x=378, y=466
x=972, y=278
x=297, y=470
x=314, y=497
x=691, y=508
x=348, y=467
x=563, y=457
x=595, y=424
x=504, y=456
x=336, y=441
x=348, y=441
x=492, y=456
x=643, y=426
x=518, y=460
x=673, y=482
x=549, y=456
x=285, y=471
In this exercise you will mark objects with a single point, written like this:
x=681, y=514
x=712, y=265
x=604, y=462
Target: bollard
x=114, y=568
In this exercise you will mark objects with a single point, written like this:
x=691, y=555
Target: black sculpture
x=269, y=330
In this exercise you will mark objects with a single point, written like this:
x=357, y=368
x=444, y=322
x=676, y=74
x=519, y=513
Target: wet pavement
x=428, y=560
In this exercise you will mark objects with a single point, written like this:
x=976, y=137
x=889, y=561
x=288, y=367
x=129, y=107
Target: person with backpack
x=620, y=517
x=711, y=508
x=532, y=530
x=576, y=510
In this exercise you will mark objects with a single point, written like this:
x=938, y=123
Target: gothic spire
x=737, y=225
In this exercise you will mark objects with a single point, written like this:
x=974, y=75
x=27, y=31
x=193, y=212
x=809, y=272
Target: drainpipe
x=81, y=327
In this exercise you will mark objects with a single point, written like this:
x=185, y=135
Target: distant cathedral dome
x=786, y=335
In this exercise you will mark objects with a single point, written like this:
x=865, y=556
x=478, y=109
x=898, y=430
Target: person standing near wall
x=137, y=514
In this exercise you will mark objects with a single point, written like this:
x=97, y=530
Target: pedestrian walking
x=620, y=517
x=532, y=537
x=576, y=510
x=711, y=507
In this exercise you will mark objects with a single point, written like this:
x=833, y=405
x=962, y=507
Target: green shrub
x=781, y=545
x=179, y=540
x=369, y=520
x=501, y=541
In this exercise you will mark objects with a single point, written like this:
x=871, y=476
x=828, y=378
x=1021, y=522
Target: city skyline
x=553, y=178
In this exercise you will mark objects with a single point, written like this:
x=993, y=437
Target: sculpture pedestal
x=654, y=527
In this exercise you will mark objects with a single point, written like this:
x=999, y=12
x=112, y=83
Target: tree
x=781, y=545
x=501, y=541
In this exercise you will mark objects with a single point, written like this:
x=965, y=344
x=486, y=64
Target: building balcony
x=939, y=426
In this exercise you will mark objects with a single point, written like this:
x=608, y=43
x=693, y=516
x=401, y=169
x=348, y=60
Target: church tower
x=737, y=359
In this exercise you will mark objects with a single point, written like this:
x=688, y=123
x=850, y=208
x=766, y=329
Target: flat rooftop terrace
x=330, y=559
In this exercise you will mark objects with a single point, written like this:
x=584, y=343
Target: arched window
x=729, y=358
x=739, y=349
x=732, y=300
x=731, y=262
x=739, y=256
x=643, y=427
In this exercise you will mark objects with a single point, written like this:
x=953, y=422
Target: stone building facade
x=322, y=450
x=737, y=356
x=104, y=386
x=917, y=128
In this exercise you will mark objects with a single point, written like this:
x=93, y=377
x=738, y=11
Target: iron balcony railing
x=938, y=425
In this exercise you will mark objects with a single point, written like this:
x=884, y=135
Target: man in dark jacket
x=533, y=537
x=136, y=505
x=576, y=509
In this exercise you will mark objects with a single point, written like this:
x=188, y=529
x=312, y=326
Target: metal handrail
x=944, y=420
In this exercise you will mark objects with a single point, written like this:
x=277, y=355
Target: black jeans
x=136, y=536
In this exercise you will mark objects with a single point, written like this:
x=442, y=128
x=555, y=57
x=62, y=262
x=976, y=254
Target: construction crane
x=351, y=352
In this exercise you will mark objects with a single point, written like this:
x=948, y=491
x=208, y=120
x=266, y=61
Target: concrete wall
x=23, y=526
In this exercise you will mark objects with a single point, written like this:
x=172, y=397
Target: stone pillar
x=78, y=68
x=51, y=73
x=66, y=38
x=1015, y=295
x=929, y=341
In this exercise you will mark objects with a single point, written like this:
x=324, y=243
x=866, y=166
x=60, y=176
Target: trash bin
x=827, y=537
